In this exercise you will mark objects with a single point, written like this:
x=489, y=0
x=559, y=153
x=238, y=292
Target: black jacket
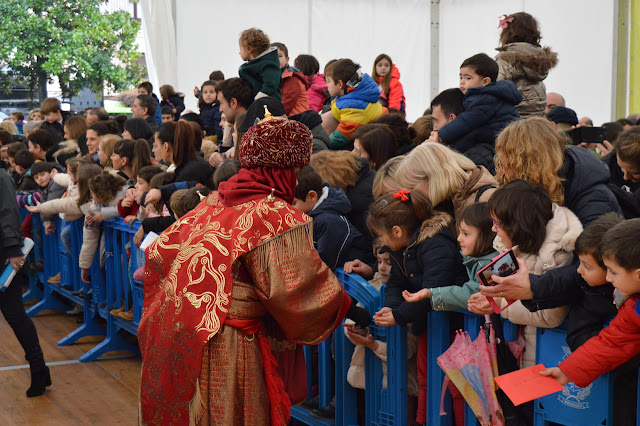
x=211, y=115
x=174, y=102
x=10, y=229
x=432, y=259
x=585, y=185
x=55, y=129
x=335, y=238
x=361, y=197
x=482, y=155
x=313, y=121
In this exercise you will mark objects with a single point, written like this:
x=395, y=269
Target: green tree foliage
x=73, y=40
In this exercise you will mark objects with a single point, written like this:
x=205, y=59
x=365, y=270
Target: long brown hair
x=76, y=126
x=386, y=80
x=180, y=136
x=86, y=172
x=522, y=28
x=389, y=211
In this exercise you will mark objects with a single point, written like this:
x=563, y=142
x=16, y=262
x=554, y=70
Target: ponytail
x=406, y=209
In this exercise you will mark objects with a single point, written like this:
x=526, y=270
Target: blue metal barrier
x=574, y=405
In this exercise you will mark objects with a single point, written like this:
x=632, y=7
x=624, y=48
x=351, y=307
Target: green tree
x=73, y=40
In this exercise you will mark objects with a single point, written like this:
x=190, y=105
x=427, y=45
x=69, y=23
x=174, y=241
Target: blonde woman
x=448, y=178
x=533, y=150
x=105, y=151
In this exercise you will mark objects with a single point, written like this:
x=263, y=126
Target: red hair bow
x=504, y=22
x=402, y=195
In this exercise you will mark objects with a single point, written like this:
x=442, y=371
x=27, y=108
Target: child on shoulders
x=386, y=74
x=489, y=106
x=262, y=69
x=356, y=102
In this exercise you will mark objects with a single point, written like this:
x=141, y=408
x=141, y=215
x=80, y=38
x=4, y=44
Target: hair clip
x=383, y=203
x=202, y=197
x=504, y=21
x=402, y=195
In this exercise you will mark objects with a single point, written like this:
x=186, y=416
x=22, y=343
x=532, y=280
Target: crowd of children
x=438, y=199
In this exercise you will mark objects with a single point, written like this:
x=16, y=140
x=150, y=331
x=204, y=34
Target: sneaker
x=78, y=309
x=55, y=279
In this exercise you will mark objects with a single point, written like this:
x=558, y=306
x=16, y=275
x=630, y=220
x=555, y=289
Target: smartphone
x=502, y=266
x=587, y=134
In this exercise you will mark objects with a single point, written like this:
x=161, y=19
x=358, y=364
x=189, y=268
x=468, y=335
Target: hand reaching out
x=358, y=267
x=425, y=293
x=478, y=304
x=557, y=374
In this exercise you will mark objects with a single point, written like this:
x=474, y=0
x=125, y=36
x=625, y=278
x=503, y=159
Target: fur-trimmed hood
x=66, y=148
x=434, y=225
x=535, y=62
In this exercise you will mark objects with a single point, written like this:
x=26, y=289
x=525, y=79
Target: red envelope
x=527, y=384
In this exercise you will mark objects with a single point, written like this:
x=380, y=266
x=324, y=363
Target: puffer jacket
x=487, y=111
x=361, y=197
x=317, y=93
x=91, y=236
x=614, y=346
x=263, y=74
x=294, y=91
x=431, y=260
x=395, y=98
x=557, y=250
x=527, y=66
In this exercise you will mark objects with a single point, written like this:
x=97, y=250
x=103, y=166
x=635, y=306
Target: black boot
x=39, y=381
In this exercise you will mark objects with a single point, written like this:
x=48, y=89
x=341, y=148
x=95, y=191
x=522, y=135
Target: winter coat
x=294, y=91
x=527, y=66
x=453, y=297
x=26, y=182
x=211, y=115
x=64, y=151
x=10, y=230
x=431, y=260
x=91, y=235
x=557, y=250
x=56, y=130
x=67, y=206
x=395, y=98
x=317, y=93
x=585, y=181
x=174, y=102
x=355, y=109
x=52, y=191
x=361, y=197
x=612, y=347
x=627, y=193
x=313, y=121
x=487, y=110
x=263, y=74
x=356, y=375
x=335, y=238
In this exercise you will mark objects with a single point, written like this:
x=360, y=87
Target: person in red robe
x=243, y=259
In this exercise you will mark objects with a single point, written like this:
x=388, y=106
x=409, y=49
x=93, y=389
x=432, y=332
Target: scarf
x=256, y=183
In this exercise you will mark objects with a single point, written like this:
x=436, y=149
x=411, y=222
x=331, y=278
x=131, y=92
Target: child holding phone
x=543, y=235
x=424, y=254
x=475, y=236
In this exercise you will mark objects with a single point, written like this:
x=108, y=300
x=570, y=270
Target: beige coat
x=557, y=250
x=67, y=206
x=527, y=66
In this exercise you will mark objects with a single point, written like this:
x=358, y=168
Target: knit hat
x=255, y=112
x=276, y=142
x=562, y=114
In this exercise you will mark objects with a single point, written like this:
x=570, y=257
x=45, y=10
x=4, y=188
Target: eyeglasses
x=496, y=224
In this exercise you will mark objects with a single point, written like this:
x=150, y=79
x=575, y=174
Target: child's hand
x=137, y=196
x=153, y=196
x=425, y=293
x=84, y=275
x=216, y=159
x=97, y=217
x=34, y=209
x=434, y=137
x=49, y=228
x=359, y=339
x=358, y=267
x=478, y=304
x=129, y=193
x=130, y=219
x=196, y=91
x=384, y=318
x=557, y=374
x=126, y=202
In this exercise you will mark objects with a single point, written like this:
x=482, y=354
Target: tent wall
x=583, y=32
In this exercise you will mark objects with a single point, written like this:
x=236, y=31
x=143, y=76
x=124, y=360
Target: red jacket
x=395, y=99
x=614, y=346
x=132, y=210
x=294, y=92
